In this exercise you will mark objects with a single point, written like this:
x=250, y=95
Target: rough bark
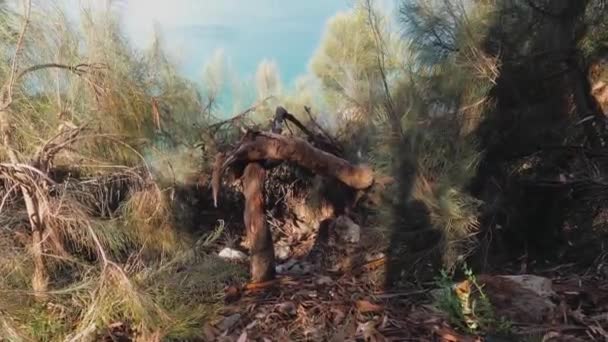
x=258, y=235
x=258, y=151
x=259, y=146
x=321, y=141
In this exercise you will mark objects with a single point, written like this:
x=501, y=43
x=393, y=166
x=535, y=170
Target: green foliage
x=173, y=296
x=268, y=81
x=467, y=306
x=125, y=96
x=125, y=260
x=347, y=61
x=446, y=92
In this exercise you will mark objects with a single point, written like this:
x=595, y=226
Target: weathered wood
x=258, y=151
x=260, y=146
x=321, y=141
x=258, y=235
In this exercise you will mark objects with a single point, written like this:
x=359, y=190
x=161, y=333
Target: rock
x=294, y=267
x=346, y=229
x=520, y=298
x=539, y=285
x=282, y=252
x=232, y=254
x=243, y=337
x=324, y=280
x=287, y=308
x=229, y=322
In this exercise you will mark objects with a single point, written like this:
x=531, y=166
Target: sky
x=247, y=31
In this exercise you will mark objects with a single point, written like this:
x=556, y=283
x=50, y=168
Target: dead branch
x=79, y=69
x=46, y=154
x=235, y=119
x=320, y=128
x=262, y=146
x=258, y=151
x=321, y=141
x=216, y=177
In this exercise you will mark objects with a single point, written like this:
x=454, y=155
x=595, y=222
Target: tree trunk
x=258, y=234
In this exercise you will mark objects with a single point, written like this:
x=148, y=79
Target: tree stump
x=258, y=235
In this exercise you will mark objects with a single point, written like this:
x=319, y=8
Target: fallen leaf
x=338, y=315
x=446, y=334
x=365, y=306
x=243, y=337
x=287, y=308
x=251, y=325
x=369, y=332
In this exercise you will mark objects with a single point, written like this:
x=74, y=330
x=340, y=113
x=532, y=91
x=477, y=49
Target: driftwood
x=258, y=151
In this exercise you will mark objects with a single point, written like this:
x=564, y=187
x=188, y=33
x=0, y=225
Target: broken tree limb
x=235, y=119
x=258, y=234
x=258, y=151
x=216, y=177
x=321, y=140
x=263, y=146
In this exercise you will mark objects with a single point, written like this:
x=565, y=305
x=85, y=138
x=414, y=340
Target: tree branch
x=215, y=127
x=76, y=69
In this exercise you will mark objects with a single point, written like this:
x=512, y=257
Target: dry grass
x=114, y=255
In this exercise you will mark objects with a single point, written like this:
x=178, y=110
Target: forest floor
x=310, y=303
x=350, y=307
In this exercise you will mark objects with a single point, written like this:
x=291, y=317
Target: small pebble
x=232, y=254
x=324, y=280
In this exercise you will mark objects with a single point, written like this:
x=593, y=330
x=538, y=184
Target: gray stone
x=232, y=254
x=229, y=322
x=282, y=252
x=347, y=230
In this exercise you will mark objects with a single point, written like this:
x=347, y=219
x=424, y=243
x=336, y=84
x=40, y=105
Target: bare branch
x=239, y=116
x=79, y=69
x=264, y=146
x=373, y=22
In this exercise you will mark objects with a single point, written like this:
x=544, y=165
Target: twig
x=20, y=167
x=5, y=197
x=312, y=119
x=237, y=117
x=78, y=69
x=100, y=249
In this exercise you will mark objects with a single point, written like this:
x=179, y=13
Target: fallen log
x=258, y=151
x=264, y=146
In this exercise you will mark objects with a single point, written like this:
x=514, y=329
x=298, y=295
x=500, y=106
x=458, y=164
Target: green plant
x=467, y=306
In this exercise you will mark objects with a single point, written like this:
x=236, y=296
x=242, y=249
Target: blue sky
x=247, y=31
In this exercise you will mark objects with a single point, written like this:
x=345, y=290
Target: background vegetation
x=483, y=119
